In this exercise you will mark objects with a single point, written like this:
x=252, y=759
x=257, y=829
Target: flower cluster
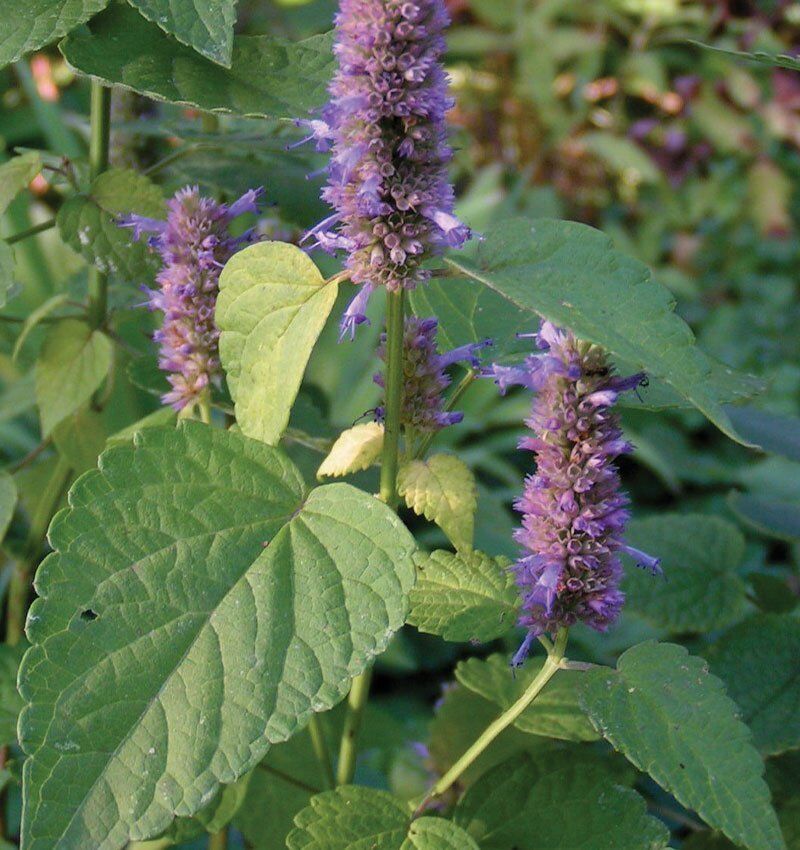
x=194, y=243
x=574, y=512
x=425, y=377
x=386, y=124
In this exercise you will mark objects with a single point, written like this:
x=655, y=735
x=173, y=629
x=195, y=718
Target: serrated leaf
x=353, y=817
x=774, y=60
x=88, y=223
x=207, y=27
x=759, y=661
x=443, y=490
x=701, y=589
x=73, y=363
x=18, y=172
x=463, y=597
x=29, y=26
x=524, y=805
x=80, y=438
x=198, y=607
x=663, y=710
x=8, y=501
x=570, y=274
x=772, y=517
x=272, y=305
x=555, y=712
x=269, y=77
x=355, y=449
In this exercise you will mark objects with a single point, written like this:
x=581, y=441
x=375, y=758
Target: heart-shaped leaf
x=198, y=607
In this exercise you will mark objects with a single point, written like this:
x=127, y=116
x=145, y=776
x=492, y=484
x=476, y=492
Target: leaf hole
x=88, y=615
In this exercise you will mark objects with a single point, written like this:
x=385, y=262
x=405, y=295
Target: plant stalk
x=390, y=461
x=99, y=138
x=320, y=745
x=219, y=840
x=31, y=231
x=551, y=666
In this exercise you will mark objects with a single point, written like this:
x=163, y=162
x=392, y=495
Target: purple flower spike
x=387, y=176
x=425, y=376
x=573, y=509
x=194, y=243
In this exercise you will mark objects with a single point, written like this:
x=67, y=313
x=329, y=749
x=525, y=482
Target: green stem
x=320, y=744
x=219, y=840
x=394, y=397
x=31, y=231
x=20, y=584
x=551, y=666
x=390, y=461
x=100, y=133
x=356, y=703
x=155, y=844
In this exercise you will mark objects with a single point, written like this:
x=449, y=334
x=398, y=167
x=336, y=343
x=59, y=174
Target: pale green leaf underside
x=463, y=597
x=198, y=607
x=205, y=25
x=268, y=78
x=528, y=805
x=355, y=449
x=671, y=718
x=73, y=363
x=272, y=306
x=772, y=517
x=31, y=25
x=759, y=661
x=353, y=818
x=17, y=173
x=443, y=490
x=555, y=712
x=8, y=501
x=570, y=274
x=700, y=589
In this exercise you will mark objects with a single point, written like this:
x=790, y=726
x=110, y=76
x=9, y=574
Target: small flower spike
x=573, y=509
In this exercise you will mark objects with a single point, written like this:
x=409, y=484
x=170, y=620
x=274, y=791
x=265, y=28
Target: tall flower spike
x=194, y=243
x=425, y=377
x=386, y=124
x=573, y=509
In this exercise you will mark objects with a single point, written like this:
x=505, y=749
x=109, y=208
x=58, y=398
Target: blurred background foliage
x=608, y=112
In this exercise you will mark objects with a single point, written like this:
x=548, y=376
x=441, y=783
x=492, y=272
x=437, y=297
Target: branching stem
x=550, y=667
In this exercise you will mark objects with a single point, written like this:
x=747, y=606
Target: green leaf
x=17, y=173
x=663, y=710
x=29, y=26
x=88, y=223
x=772, y=517
x=198, y=607
x=80, y=438
x=700, y=589
x=777, y=434
x=7, y=281
x=463, y=597
x=8, y=501
x=528, y=806
x=758, y=661
x=555, y=712
x=353, y=817
x=272, y=306
x=73, y=363
x=207, y=27
x=570, y=274
x=355, y=449
x=10, y=700
x=268, y=78
x=623, y=157
x=774, y=60
x=34, y=318
x=443, y=490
